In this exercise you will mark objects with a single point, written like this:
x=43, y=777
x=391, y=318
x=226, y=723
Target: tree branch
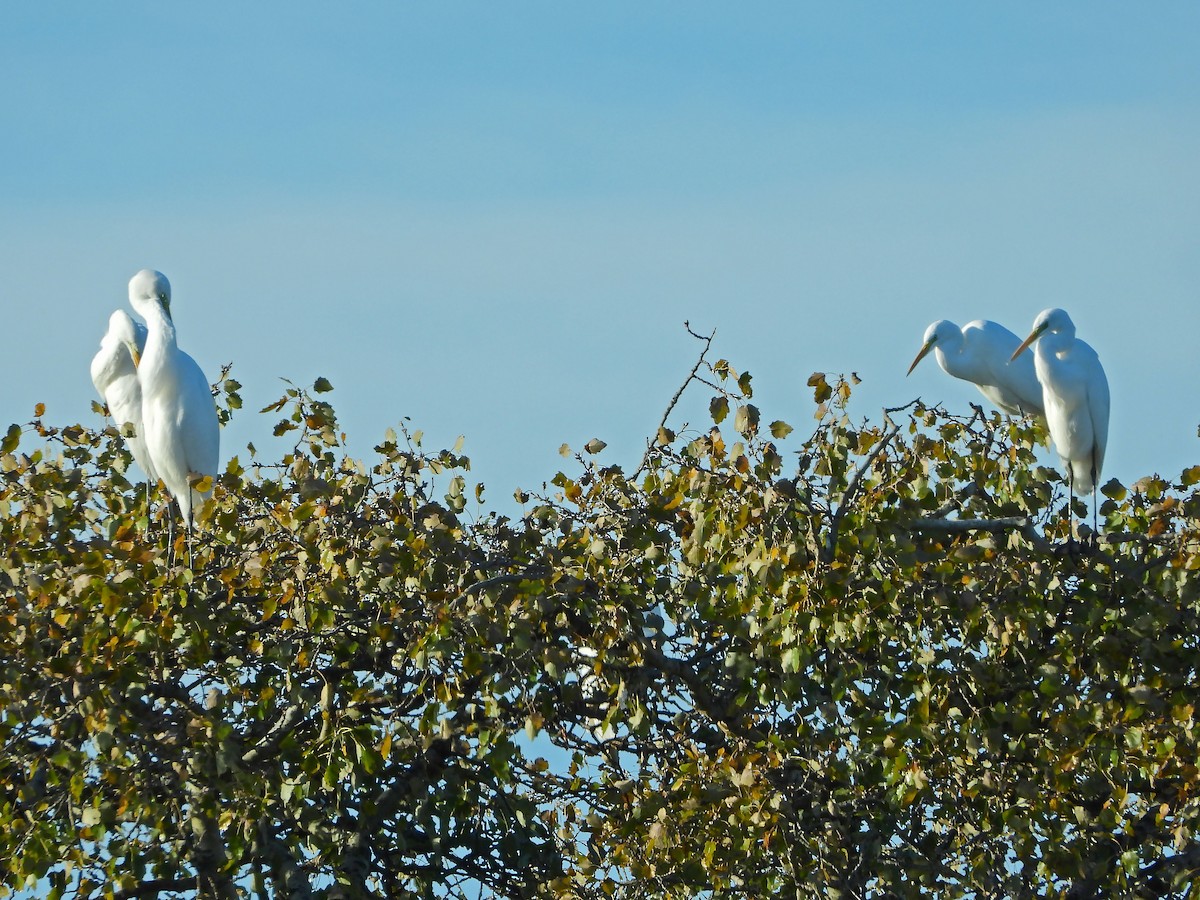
x=506, y=578
x=835, y=521
x=355, y=862
x=274, y=737
x=679, y=393
x=155, y=887
x=963, y=526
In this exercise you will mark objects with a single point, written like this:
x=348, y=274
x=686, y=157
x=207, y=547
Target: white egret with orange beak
x=178, y=410
x=979, y=352
x=1075, y=396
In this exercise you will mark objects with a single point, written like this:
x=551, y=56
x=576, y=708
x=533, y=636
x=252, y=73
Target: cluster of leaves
x=867, y=663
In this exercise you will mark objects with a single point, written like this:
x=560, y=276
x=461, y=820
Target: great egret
x=114, y=373
x=178, y=411
x=1075, y=395
x=980, y=353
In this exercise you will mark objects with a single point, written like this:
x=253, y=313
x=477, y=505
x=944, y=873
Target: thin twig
x=679, y=393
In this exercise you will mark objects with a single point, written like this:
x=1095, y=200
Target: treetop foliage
x=857, y=660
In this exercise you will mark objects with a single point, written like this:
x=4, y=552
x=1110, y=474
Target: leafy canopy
x=863, y=663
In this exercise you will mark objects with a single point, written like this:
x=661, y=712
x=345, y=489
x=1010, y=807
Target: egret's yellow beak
x=1033, y=336
x=133, y=352
x=920, y=356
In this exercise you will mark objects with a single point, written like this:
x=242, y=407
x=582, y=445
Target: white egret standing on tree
x=980, y=353
x=1075, y=395
x=178, y=411
x=114, y=373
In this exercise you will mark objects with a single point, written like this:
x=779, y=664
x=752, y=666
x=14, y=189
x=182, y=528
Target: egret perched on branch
x=980, y=353
x=1075, y=394
x=114, y=373
x=178, y=411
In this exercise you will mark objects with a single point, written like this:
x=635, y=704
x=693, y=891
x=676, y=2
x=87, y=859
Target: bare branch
x=156, y=887
x=961, y=526
x=1021, y=524
x=275, y=736
x=955, y=503
x=506, y=578
x=692, y=376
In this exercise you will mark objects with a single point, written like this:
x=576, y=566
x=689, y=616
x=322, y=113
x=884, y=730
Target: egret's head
x=121, y=328
x=150, y=287
x=938, y=333
x=1053, y=319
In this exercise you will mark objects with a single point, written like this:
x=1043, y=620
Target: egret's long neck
x=952, y=346
x=1053, y=343
x=160, y=336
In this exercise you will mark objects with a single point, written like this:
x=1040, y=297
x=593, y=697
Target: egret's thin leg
x=1071, y=506
x=170, y=536
x=189, y=543
x=1095, y=521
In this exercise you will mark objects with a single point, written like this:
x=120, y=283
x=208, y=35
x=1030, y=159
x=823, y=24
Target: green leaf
x=1116, y=491
x=780, y=429
x=322, y=386
x=11, y=440
x=718, y=408
x=821, y=389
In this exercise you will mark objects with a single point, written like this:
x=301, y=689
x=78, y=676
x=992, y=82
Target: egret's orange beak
x=920, y=356
x=1033, y=336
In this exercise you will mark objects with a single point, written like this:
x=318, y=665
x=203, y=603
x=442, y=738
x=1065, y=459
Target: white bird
x=1075, y=395
x=114, y=373
x=980, y=353
x=178, y=411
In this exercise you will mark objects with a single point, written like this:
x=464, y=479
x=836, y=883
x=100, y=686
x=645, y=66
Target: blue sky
x=494, y=218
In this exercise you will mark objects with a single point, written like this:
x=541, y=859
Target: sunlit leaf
x=821, y=389
x=745, y=421
x=780, y=429
x=718, y=408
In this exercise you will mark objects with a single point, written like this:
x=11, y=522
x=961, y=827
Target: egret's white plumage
x=980, y=353
x=1075, y=395
x=178, y=411
x=114, y=373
